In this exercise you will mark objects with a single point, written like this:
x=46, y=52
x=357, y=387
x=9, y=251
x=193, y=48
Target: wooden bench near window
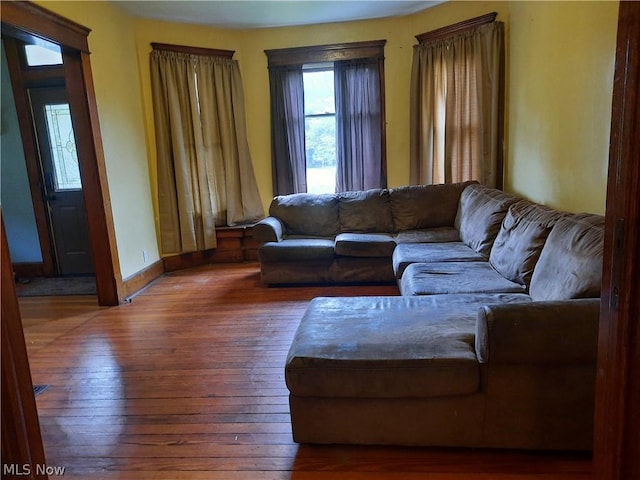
x=235, y=244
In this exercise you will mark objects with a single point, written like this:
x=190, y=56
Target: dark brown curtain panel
x=358, y=126
x=287, y=130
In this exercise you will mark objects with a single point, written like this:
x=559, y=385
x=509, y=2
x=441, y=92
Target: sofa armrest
x=558, y=332
x=269, y=229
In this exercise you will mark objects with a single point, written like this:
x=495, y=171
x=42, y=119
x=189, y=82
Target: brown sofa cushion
x=307, y=213
x=425, y=206
x=365, y=245
x=388, y=347
x=570, y=265
x=480, y=213
x=454, y=277
x=520, y=240
x=428, y=235
x=297, y=249
x=367, y=211
x=407, y=253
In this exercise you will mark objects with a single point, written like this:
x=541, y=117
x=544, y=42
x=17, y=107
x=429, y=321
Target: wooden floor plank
x=187, y=382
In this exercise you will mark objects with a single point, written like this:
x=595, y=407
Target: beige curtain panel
x=205, y=174
x=456, y=102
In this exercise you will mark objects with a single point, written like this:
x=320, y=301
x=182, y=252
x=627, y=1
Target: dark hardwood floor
x=186, y=382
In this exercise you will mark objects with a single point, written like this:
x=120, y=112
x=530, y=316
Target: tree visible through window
x=327, y=117
x=320, y=128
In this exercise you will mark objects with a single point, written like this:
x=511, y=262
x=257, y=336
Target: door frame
x=617, y=404
x=19, y=86
x=23, y=20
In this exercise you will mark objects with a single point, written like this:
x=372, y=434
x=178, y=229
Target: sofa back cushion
x=522, y=235
x=307, y=213
x=570, y=265
x=425, y=206
x=367, y=211
x=480, y=213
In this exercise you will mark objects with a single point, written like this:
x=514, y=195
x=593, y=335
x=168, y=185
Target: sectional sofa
x=350, y=237
x=492, y=342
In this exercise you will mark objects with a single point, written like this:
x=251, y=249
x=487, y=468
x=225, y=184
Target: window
x=42, y=54
x=63, y=147
x=319, y=127
x=205, y=173
x=457, y=99
x=327, y=117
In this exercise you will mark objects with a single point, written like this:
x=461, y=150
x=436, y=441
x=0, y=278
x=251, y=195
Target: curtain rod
x=457, y=27
x=211, y=52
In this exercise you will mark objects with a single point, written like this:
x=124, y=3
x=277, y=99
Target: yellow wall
x=400, y=35
x=118, y=96
x=560, y=80
x=250, y=45
x=559, y=61
x=153, y=31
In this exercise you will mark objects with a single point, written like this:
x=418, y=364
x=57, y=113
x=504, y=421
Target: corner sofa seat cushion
x=428, y=235
x=367, y=211
x=480, y=214
x=408, y=253
x=455, y=277
x=297, y=249
x=425, y=206
x=388, y=347
x=315, y=215
x=519, y=243
x=570, y=264
x=365, y=245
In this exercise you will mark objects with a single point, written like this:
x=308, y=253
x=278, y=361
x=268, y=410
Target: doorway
x=32, y=24
x=61, y=181
x=42, y=193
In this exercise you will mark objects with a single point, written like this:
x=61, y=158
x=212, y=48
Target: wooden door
x=61, y=180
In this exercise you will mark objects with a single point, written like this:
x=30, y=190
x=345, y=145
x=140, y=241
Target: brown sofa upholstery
x=478, y=370
x=492, y=343
x=351, y=237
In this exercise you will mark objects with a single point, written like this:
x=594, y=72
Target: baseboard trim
x=144, y=277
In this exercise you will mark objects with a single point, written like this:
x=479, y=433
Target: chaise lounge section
x=491, y=344
x=478, y=370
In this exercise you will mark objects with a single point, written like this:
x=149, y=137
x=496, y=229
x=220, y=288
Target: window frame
x=316, y=68
x=336, y=52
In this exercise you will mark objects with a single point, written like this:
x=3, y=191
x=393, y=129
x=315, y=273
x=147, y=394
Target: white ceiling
x=243, y=14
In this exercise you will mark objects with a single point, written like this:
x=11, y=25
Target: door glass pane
x=63, y=148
